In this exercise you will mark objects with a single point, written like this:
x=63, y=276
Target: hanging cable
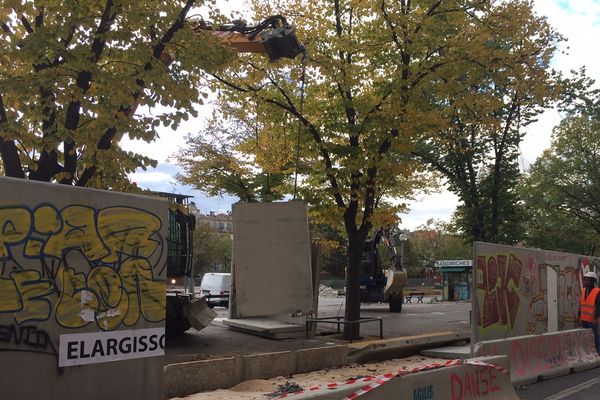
x=302, y=83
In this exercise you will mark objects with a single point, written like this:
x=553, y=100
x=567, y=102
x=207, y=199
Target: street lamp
x=403, y=238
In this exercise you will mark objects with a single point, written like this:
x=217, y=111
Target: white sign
x=453, y=263
x=100, y=347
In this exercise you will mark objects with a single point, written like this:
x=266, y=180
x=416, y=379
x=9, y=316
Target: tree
x=223, y=249
x=332, y=249
x=503, y=91
x=379, y=76
x=562, y=189
x=73, y=74
x=212, y=163
x=203, y=247
x=211, y=248
x=434, y=241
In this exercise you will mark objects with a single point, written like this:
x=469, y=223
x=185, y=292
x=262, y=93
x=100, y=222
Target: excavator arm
x=274, y=36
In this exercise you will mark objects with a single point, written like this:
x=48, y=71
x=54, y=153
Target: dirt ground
x=260, y=389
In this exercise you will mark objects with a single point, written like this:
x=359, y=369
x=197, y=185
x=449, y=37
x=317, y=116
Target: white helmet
x=591, y=274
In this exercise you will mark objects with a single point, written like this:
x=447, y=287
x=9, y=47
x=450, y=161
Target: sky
x=577, y=20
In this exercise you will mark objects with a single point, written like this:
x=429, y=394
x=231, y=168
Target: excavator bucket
x=281, y=42
x=396, y=281
x=199, y=314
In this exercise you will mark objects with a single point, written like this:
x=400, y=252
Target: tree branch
x=386, y=17
x=8, y=150
x=371, y=181
x=290, y=108
x=105, y=141
x=26, y=24
x=83, y=80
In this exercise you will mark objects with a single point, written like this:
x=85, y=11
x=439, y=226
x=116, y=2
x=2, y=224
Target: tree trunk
x=496, y=187
x=356, y=243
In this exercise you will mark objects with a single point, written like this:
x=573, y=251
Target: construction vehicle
x=379, y=284
x=273, y=36
x=180, y=315
x=184, y=309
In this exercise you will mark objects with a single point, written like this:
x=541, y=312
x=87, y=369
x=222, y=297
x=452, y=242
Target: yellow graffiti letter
x=15, y=225
x=76, y=306
x=32, y=290
x=146, y=296
x=128, y=231
x=78, y=231
x=105, y=282
x=10, y=301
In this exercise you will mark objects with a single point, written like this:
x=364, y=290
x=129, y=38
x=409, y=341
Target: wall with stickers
x=521, y=291
x=82, y=292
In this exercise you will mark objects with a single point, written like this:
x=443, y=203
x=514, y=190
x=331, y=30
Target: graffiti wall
x=520, y=291
x=82, y=292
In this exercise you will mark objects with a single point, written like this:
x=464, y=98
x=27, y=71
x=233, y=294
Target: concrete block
x=99, y=241
x=324, y=357
x=477, y=378
x=385, y=349
x=449, y=352
x=536, y=357
x=269, y=365
x=187, y=378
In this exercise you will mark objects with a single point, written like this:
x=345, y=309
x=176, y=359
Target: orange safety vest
x=587, y=307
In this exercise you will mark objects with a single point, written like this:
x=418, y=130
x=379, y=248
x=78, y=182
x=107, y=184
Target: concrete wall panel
x=82, y=292
x=271, y=259
x=520, y=291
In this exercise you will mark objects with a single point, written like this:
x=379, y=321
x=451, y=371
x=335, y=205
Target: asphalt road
x=579, y=386
x=217, y=340
x=415, y=318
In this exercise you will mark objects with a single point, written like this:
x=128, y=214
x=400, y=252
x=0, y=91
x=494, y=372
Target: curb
x=183, y=379
x=385, y=349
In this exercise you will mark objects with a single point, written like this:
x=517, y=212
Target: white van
x=215, y=286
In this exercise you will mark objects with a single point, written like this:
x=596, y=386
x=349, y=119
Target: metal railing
x=340, y=321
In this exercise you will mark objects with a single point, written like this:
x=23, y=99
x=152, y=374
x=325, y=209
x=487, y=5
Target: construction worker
x=589, y=305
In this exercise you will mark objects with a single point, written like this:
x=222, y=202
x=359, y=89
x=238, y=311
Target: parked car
x=215, y=287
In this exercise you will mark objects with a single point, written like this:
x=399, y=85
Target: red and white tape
x=487, y=365
x=376, y=381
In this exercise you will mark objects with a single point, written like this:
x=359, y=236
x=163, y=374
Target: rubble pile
x=326, y=291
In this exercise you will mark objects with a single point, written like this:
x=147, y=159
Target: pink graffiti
x=501, y=277
x=568, y=297
x=540, y=354
x=473, y=384
x=537, y=315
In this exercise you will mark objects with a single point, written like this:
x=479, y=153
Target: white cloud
x=147, y=177
x=439, y=206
